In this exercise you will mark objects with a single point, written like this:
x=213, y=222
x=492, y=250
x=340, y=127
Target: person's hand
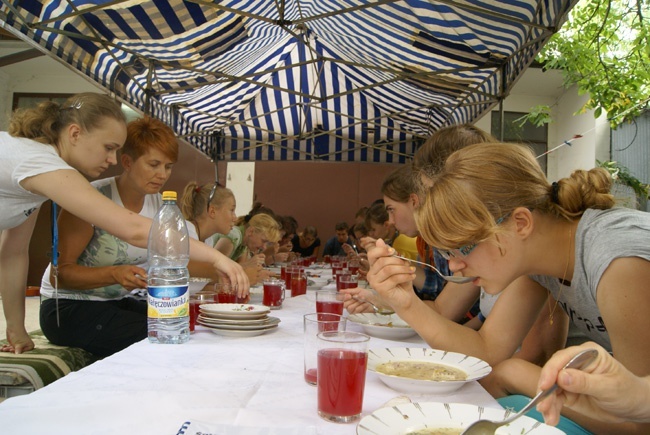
x=349, y=250
x=262, y=275
x=604, y=390
x=18, y=341
x=256, y=261
x=233, y=274
x=281, y=257
x=130, y=277
x=367, y=243
x=354, y=306
x=390, y=276
x=287, y=247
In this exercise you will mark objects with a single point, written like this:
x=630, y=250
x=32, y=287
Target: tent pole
x=501, y=111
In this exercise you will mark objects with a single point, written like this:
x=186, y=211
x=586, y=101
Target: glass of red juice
x=273, y=293
x=226, y=294
x=298, y=284
x=354, y=266
x=329, y=301
x=313, y=324
x=347, y=281
x=196, y=300
x=341, y=366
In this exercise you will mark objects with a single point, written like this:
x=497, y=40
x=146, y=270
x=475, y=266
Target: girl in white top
x=45, y=155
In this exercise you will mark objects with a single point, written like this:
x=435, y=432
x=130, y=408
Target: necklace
x=563, y=281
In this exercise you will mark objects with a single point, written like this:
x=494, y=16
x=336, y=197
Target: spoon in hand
x=378, y=310
x=488, y=427
x=450, y=278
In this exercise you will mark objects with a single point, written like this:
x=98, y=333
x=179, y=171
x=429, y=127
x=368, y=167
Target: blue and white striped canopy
x=336, y=80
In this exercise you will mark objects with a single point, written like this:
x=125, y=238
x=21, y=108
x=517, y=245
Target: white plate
x=410, y=417
x=317, y=283
x=234, y=311
x=389, y=327
x=213, y=321
x=272, y=321
x=244, y=333
x=474, y=367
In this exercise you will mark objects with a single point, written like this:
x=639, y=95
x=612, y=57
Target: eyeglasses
x=465, y=250
x=211, y=196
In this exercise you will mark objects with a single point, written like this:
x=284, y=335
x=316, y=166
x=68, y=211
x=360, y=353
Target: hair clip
x=76, y=105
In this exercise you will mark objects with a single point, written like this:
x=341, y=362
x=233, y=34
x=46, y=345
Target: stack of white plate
x=237, y=320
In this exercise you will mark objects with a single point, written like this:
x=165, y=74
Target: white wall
x=537, y=87
x=40, y=75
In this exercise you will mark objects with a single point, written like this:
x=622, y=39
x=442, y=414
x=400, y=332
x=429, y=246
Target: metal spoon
x=454, y=279
x=378, y=310
x=488, y=427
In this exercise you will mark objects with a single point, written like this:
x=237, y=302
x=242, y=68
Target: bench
x=24, y=373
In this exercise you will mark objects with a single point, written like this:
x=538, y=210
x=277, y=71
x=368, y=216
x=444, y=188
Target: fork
x=450, y=278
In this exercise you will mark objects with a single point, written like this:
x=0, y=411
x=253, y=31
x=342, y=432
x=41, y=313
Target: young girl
x=492, y=212
x=208, y=210
x=246, y=241
x=46, y=154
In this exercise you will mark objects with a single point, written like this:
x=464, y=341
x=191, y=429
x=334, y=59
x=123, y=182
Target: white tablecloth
x=224, y=385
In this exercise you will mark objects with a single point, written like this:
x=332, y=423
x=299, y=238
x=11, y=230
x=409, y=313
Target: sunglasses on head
x=212, y=192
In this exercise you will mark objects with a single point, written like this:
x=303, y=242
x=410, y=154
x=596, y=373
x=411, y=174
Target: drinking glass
x=329, y=301
x=273, y=293
x=226, y=293
x=298, y=283
x=347, y=281
x=313, y=324
x=341, y=367
x=196, y=300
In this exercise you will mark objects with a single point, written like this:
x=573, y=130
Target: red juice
x=194, y=313
x=329, y=307
x=347, y=284
x=310, y=376
x=298, y=285
x=272, y=295
x=338, y=280
x=226, y=298
x=341, y=381
x=353, y=269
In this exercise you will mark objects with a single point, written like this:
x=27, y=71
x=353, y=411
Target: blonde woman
x=46, y=154
x=494, y=215
x=246, y=241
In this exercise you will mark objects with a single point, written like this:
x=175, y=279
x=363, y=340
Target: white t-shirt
x=22, y=158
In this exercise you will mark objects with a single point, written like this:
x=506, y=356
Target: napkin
x=195, y=427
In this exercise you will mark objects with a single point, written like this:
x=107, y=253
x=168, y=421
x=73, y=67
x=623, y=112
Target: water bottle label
x=167, y=302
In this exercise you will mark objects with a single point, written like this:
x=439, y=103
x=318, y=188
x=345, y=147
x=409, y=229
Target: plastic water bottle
x=168, y=277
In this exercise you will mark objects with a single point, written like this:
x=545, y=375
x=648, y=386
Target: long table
x=210, y=385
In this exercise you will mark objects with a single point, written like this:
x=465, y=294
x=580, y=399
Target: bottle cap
x=169, y=195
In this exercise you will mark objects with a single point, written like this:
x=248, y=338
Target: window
x=28, y=100
x=528, y=133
